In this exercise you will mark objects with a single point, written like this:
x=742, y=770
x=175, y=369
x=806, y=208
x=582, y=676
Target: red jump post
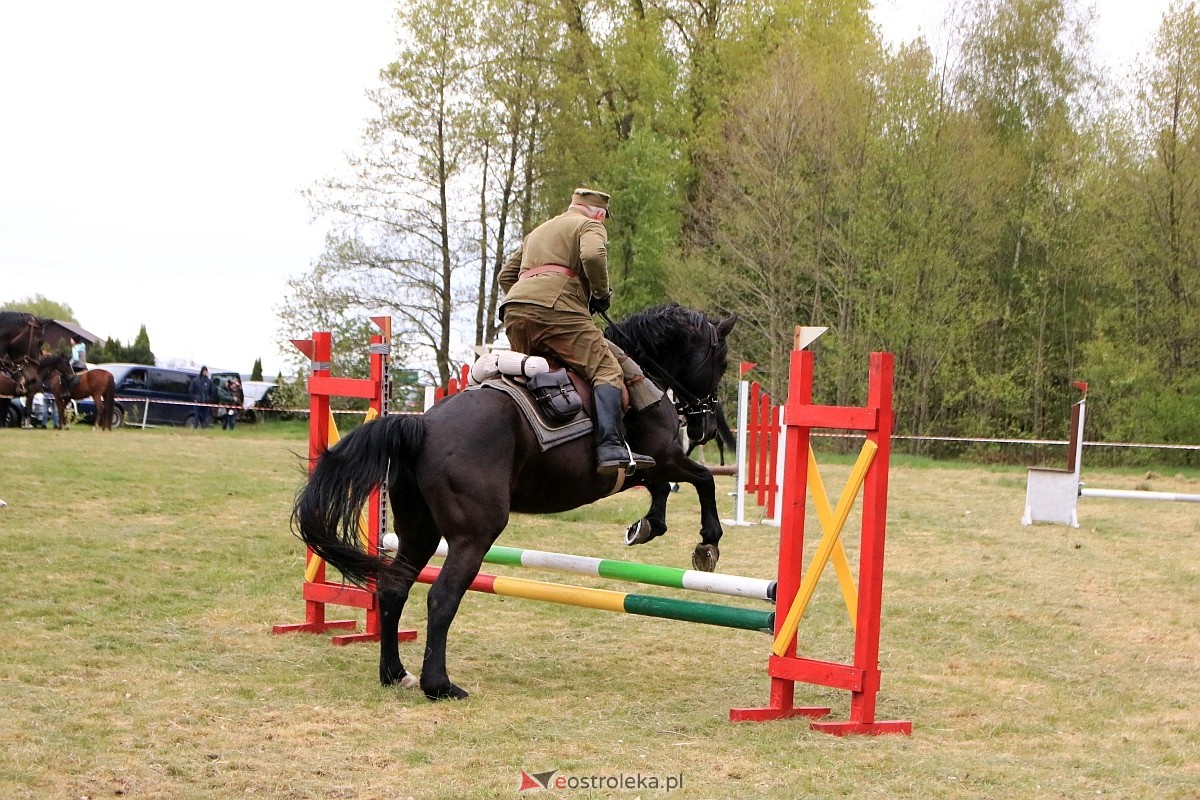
x=862, y=677
x=317, y=590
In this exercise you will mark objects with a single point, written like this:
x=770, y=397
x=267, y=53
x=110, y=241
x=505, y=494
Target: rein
x=24, y=335
x=686, y=403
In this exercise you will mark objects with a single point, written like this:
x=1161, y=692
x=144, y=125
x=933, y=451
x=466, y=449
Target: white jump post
x=806, y=335
x=743, y=419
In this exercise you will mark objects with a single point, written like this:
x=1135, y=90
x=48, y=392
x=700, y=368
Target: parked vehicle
x=258, y=396
x=158, y=393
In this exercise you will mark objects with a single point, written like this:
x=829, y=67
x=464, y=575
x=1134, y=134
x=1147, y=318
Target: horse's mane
x=665, y=331
x=13, y=321
x=47, y=363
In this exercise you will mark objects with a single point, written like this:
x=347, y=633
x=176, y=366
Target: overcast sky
x=152, y=153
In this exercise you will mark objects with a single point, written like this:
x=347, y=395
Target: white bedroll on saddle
x=506, y=362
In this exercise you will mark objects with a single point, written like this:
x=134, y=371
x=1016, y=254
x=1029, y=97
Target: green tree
x=1140, y=364
x=1025, y=76
x=111, y=350
x=41, y=306
x=783, y=194
x=928, y=223
x=313, y=303
x=256, y=373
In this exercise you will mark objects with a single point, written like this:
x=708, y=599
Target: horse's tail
x=326, y=512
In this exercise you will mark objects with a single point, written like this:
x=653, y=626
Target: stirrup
x=636, y=461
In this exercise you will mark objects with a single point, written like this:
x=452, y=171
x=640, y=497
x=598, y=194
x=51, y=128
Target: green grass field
x=142, y=572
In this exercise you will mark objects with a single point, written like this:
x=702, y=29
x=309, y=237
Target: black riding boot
x=612, y=453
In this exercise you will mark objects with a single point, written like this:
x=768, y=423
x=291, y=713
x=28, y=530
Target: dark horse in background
x=57, y=376
x=13, y=384
x=20, y=336
x=20, y=343
x=459, y=470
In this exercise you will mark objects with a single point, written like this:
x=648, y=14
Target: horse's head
x=51, y=371
x=684, y=351
x=704, y=366
x=20, y=334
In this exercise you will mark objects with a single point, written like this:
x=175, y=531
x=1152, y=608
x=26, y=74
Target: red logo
x=538, y=780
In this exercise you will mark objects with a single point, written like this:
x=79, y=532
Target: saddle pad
x=549, y=434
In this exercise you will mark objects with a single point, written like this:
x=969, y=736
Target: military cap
x=591, y=197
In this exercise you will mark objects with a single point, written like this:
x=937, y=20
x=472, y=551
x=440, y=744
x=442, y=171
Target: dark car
x=150, y=395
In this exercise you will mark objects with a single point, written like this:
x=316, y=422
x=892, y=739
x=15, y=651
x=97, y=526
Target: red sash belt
x=544, y=268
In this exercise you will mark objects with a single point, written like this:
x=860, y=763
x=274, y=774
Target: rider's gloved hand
x=599, y=305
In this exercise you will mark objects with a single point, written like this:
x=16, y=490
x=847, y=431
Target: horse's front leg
x=707, y=553
x=654, y=524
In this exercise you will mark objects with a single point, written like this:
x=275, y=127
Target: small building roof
x=73, y=329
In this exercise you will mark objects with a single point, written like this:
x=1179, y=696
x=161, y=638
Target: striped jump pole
x=620, y=602
x=669, y=577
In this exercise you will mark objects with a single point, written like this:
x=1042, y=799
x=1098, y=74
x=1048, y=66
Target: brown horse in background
x=56, y=374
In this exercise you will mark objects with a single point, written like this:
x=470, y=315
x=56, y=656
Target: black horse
x=463, y=467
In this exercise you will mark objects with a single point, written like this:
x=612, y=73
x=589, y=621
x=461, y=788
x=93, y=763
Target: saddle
x=556, y=402
x=550, y=431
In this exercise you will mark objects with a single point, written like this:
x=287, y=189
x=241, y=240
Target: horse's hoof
x=639, y=533
x=389, y=676
x=409, y=681
x=447, y=692
x=705, y=557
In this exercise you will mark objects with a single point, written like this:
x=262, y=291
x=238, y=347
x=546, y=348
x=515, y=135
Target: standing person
x=200, y=390
x=44, y=405
x=552, y=285
x=78, y=355
x=229, y=416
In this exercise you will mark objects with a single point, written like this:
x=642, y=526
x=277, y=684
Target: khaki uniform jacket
x=570, y=240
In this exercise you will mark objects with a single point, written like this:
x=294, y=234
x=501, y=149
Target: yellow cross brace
x=832, y=525
x=314, y=562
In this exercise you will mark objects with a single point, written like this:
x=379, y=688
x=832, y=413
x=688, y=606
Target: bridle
x=25, y=334
x=687, y=404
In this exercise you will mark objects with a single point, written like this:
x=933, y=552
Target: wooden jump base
x=620, y=602
x=760, y=467
x=669, y=577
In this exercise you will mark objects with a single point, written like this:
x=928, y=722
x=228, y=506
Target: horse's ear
x=726, y=325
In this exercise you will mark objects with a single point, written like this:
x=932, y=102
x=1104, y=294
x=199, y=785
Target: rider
x=552, y=285
x=78, y=355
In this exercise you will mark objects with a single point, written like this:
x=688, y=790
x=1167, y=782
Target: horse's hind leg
x=419, y=539
x=462, y=564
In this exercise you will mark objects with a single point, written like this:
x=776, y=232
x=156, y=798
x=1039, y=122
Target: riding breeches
x=569, y=336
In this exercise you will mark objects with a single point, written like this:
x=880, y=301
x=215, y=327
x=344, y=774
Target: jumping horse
x=57, y=376
x=459, y=470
